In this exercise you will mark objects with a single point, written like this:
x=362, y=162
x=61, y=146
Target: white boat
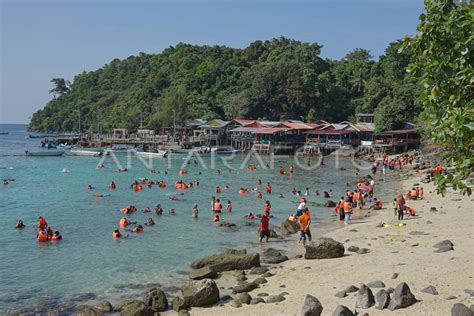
x=88, y=153
x=159, y=154
x=48, y=153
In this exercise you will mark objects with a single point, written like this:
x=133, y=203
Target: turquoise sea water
x=88, y=260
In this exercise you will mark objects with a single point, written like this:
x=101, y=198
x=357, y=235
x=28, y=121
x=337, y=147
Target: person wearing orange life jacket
x=268, y=188
x=137, y=229
x=282, y=170
x=259, y=195
x=292, y=218
x=56, y=236
x=20, y=224
x=41, y=223
x=414, y=194
x=347, y=211
x=216, y=218
x=124, y=222
x=42, y=236
x=116, y=234
x=411, y=211
x=229, y=207
x=217, y=206
x=340, y=208
x=267, y=207
x=112, y=186
x=218, y=190
x=291, y=169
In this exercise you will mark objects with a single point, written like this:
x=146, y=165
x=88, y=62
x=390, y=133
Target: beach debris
x=351, y=289
x=289, y=227
x=459, y=309
x=84, y=310
x=104, y=307
x=244, y=287
x=394, y=276
x=433, y=209
x=342, y=310
x=202, y=273
x=230, y=259
x=275, y=298
x=258, y=270
x=324, y=248
x=382, y=298
x=272, y=256
x=376, y=284
x=133, y=307
x=236, y=304
x=353, y=230
x=430, y=290
x=245, y=298
x=415, y=245
x=312, y=306
x=259, y=281
x=257, y=300
x=365, y=298
x=353, y=248
x=444, y=246
x=341, y=294
x=156, y=299
x=450, y=297
x=402, y=297
x=200, y=293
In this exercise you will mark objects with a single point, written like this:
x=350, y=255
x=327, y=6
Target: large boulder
x=365, y=298
x=134, y=308
x=272, y=256
x=324, y=248
x=227, y=261
x=275, y=298
x=258, y=270
x=104, y=306
x=84, y=310
x=342, y=310
x=200, y=293
x=312, y=306
x=402, y=297
x=245, y=298
x=289, y=227
x=460, y=309
x=157, y=300
x=202, y=273
x=178, y=304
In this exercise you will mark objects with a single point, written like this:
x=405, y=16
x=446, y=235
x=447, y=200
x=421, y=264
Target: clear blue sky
x=42, y=39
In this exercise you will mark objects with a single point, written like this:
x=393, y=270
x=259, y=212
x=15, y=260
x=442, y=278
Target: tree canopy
x=273, y=79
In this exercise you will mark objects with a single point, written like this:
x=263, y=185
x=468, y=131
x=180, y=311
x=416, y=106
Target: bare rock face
x=312, y=306
x=342, y=310
x=382, y=298
x=324, y=248
x=228, y=260
x=460, y=309
x=365, y=298
x=402, y=297
x=200, y=293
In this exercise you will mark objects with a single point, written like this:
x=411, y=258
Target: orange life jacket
x=42, y=236
x=347, y=206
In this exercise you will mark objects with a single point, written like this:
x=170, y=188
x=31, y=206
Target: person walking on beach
x=347, y=211
x=264, y=226
x=305, y=222
x=400, y=206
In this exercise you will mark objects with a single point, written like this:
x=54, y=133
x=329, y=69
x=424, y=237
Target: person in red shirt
x=264, y=226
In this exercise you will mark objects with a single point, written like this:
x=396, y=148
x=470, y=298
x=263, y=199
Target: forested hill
x=275, y=79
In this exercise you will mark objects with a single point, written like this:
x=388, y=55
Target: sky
x=45, y=39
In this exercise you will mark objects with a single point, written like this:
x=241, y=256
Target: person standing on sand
x=400, y=206
x=347, y=211
x=305, y=222
x=264, y=226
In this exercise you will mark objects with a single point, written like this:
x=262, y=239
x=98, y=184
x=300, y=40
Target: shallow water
x=87, y=260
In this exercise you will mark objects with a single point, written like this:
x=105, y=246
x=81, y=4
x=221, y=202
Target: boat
x=40, y=136
x=159, y=154
x=226, y=152
x=88, y=153
x=3, y=133
x=48, y=153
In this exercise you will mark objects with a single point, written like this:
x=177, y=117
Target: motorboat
x=87, y=153
x=159, y=154
x=48, y=153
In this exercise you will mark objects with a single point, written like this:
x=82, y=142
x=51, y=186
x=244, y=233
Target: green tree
x=443, y=62
x=61, y=86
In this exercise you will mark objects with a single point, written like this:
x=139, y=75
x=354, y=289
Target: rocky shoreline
x=363, y=267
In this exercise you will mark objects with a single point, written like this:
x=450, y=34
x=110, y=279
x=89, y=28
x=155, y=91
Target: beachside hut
x=269, y=139
x=332, y=136
x=243, y=136
x=396, y=141
x=214, y=132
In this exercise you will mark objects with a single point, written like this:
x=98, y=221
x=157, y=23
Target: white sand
x=392, y=251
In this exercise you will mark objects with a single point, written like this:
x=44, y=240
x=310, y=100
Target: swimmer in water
x=172, y=212
x=195, y=211
x=150, y=222
x=19, y=224
x=158, y=210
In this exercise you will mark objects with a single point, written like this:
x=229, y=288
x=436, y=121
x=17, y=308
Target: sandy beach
x=407, y=251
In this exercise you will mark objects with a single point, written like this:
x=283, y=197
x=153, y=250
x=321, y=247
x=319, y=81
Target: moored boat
x=87, y=153
x=48, y=153
x=3, y=133
x=159, y=154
